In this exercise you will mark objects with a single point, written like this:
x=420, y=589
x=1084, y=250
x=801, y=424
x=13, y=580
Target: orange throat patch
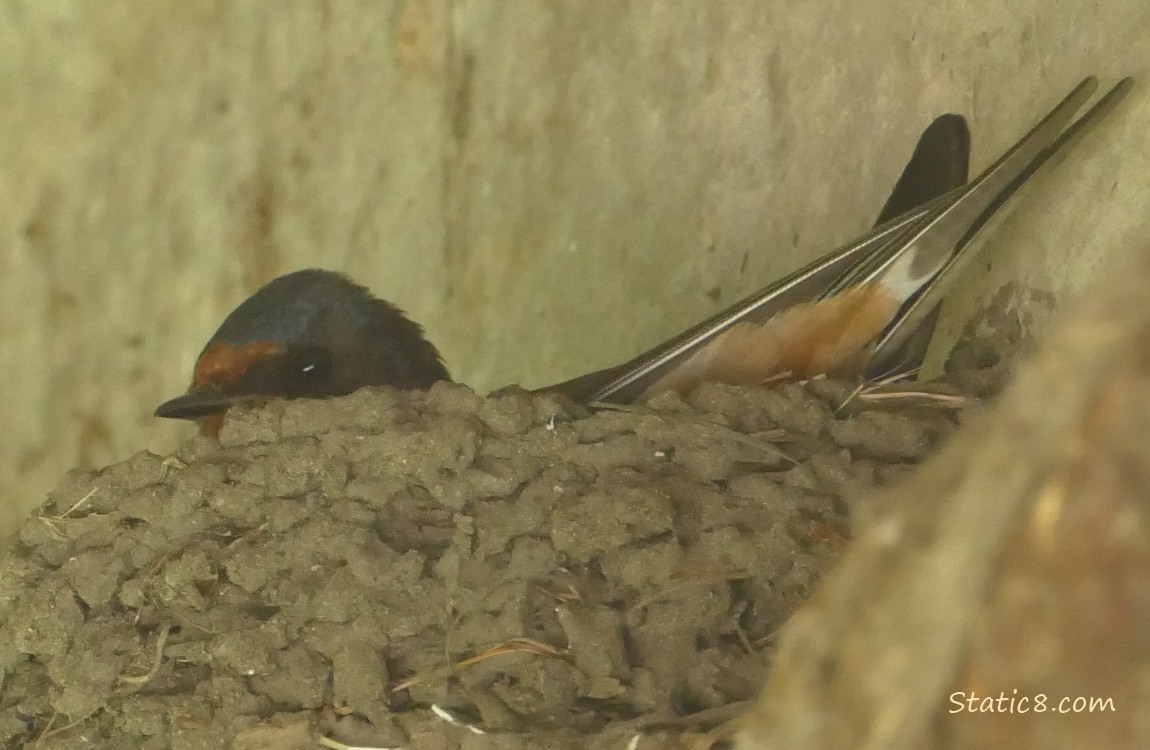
x=223, y=365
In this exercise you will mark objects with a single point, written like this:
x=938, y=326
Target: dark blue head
x=308, y=334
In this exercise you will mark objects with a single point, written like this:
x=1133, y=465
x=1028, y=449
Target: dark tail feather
x=940, y=163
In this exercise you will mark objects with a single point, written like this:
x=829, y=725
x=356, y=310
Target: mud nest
x=389, y=569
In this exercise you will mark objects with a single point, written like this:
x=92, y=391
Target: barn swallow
x=866, y=309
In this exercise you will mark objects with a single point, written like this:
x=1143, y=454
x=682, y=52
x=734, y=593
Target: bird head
x=308, y=334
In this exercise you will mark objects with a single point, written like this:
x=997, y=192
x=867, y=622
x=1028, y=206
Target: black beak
x=201, y=403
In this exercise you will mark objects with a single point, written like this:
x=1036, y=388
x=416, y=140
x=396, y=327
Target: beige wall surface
x=548, y=187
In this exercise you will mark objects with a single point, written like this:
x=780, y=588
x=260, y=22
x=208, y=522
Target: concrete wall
x=547, y=186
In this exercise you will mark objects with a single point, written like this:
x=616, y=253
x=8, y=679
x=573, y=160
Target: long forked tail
x=857, y=307
x=937, y=264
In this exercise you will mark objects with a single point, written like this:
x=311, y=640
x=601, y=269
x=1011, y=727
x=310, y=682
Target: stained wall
x=547, y=187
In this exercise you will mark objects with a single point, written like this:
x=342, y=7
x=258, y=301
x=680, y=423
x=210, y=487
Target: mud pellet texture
x=388, y=568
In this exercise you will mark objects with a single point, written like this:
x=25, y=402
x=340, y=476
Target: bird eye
x=311, y=363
